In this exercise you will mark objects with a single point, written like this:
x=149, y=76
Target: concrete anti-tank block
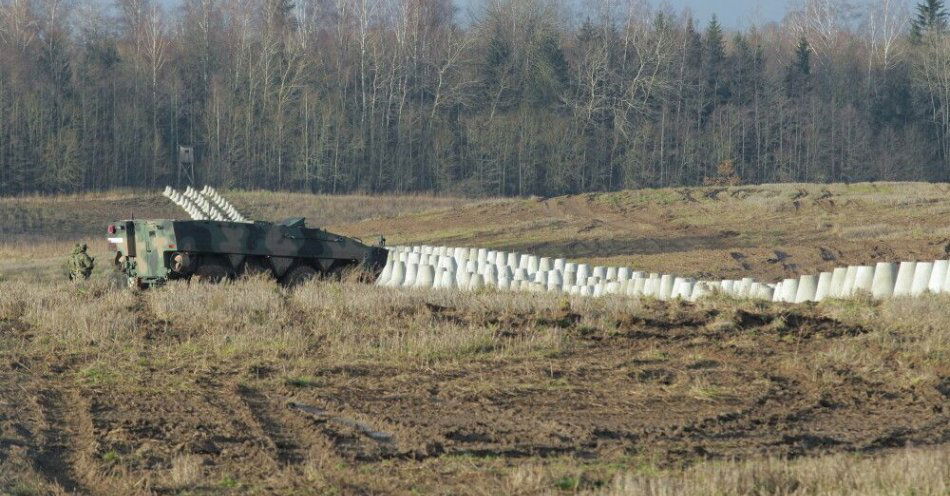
x=412, y=271
x=789, y=290
x=824, y=285
x=863, y=280
x=398, y=275
x=837, y=282
x=807, y=287
x=666, y=287
x=921, y=278
x=885, y=278
x=905, y=278
x=476, y=282
x=937, y=276
x=847, y=287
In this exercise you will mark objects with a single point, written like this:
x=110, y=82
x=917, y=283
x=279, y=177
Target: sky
x=731, y=13
x=735, y=13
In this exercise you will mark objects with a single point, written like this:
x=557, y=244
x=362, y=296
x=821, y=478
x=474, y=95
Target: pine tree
x=931, y=18
x=798, y=77
x=715, y=55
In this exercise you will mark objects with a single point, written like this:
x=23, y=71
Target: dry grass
x=923, y=472
x=918, y=472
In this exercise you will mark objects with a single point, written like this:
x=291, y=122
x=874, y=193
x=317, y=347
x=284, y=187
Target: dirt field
x=247, y=388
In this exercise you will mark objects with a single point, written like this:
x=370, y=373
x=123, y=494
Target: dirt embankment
x=768, y=232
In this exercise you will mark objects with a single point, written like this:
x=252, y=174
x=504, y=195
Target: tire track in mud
x=297, y=430
x=280, y=438
x=55, y=457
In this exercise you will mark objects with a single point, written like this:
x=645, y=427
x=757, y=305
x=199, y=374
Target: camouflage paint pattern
x=146, y=250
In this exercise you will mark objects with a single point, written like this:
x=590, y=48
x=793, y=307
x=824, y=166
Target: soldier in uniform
x=80, y=264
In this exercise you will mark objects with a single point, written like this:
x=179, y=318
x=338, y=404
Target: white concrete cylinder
x=411, y=271
x=611, y=274
x=946, y=283
x=623, y=274
x=482, y=255
x=555, y=282
x=583, y=272
x=501, y=258
x=921, y=278
x=398, y=275
x=863, y=280
x=414, y=258
x=789, y=290
x=461, y=277
x=684, y=289
x=512, y=260
x=666, y=287
x=601, y=272
x=651, y=286
x=937, y=276
x=726, y=286
x=807, y=287
x=824, y=285
x=532, y=264
x=425, y=277
x=745, y=285
x=570, y=276
x=905, y=278
x=700, y=290
x=587, y=291
x=387, y=271
x=523, y=261
x=521, y=275
x=545, y=264
x=476, y=282
x=778, y=293
x=847, y=288
x=559, y=264
x=885, y=278
x=448, y=280
x=491, y=276
x=612, y=287
x=638, y=285
x=837, y=282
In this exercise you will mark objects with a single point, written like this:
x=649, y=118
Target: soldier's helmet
x=84, y=247
x=78, y=249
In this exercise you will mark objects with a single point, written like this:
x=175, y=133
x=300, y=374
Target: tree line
x=517, y=97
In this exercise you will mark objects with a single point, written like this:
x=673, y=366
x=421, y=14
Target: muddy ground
x=666, y=386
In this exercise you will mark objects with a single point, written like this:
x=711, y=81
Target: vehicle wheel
x=299, y=275
x=253, y=267
x=212, y=271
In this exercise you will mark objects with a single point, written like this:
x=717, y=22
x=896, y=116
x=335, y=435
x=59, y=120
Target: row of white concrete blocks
x=476, y=268
x=882, y=280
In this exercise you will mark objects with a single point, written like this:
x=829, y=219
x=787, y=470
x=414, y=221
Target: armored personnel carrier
x=219, y=243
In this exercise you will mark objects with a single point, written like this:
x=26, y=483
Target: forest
x=509, y=97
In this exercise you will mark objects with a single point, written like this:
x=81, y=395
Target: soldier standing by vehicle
x=80, y=264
